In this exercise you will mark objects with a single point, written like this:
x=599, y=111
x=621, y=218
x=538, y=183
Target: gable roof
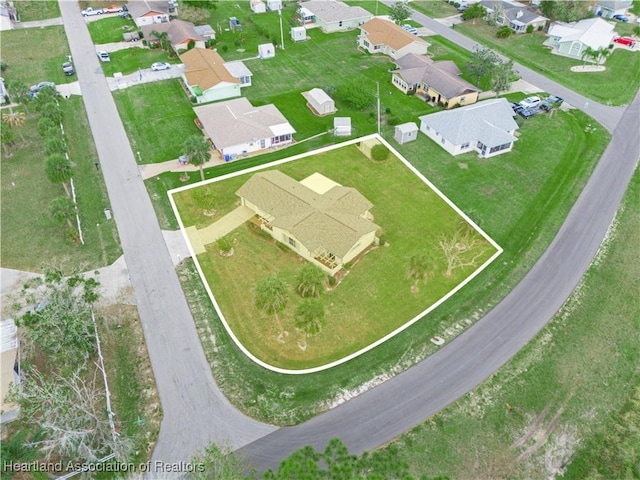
x=489, y=122
x=238, y=69
x=178, y=31
x=442, y=76
x=236, y=121
x=514, y=12
x=331, y=221
x=205, y=68
x=592, y=32
x=385, y=32
x=139, y=8
x=334, y=11
x=319, y=96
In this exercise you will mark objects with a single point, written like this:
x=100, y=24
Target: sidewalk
x=38, y=23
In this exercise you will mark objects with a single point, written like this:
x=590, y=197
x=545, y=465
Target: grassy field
x=28, y=61
x=131, y=60
x=374, y=299
x=554, y=401
x=30, y=237
x=520, y=199
x=28, y=10
x=158, y=117
x=616, y=86
x=109, y=30
x=434, y=8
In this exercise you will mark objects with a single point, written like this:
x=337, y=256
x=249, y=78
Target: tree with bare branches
x=461, y=249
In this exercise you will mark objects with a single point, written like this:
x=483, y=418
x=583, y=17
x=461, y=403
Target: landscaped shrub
x=382, y=240
x=224, y=48
x=379, y=153
x=45, y=124
x=332, y=281
x=53, y=145
x=225, y=244
x=281, y=245
x=387, y=110
x=348, y=266
x=540, y=28
x=503, y=32
x=530, y=28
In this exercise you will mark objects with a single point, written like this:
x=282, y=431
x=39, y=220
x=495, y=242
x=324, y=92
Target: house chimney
x=519, y=14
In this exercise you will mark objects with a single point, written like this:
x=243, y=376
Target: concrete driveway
x=227, y=224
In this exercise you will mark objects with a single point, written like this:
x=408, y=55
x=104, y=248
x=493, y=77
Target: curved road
x=381, y=414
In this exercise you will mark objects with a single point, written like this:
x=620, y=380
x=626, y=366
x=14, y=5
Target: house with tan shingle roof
x=435, y=82
x=179, y=33
x=236, y=128
x=384, y=36
x=206, y=76
x=322, y=221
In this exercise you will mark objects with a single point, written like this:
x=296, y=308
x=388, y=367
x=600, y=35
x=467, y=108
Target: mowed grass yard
x=131, y=60
x=616, y=86
x=111, y=29
x=29, y=11
x=374, y=299
x=35, y=55
x=30, y=238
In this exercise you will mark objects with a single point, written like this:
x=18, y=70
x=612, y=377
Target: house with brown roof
x=384, y=36
x=236, y=128
x=179, y=33
x=147, y=12
x=435, y=82
x=322, y=221
x=206, y=76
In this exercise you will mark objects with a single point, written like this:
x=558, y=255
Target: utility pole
x=378, y=101
x=281, y=30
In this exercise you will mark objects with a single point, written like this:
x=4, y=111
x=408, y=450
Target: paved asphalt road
x=381, y=414
x=195, y=411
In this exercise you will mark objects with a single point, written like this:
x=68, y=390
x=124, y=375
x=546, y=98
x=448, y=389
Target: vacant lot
x=374, y=299
x=616, y=86
x=131, y=60
x=29, y=11
x=434, y=8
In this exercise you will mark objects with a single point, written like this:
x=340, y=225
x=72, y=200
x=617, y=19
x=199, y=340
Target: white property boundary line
x=499, y=251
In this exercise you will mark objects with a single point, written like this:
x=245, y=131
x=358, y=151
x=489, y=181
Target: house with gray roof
x=236, y=128
x=324, y=222
x=514, y=15
x=609, y=8
x=487, y=127
x=333, y=16
x=438, y=83
x=147, y=12
x=573, y=39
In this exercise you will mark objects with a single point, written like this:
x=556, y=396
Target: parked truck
x=89, y=12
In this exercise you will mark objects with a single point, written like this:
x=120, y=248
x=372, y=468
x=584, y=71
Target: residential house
x=609, y=8
x=324, y=222
x=206, y=76
x=435, y=82
x=179, y=33
x=572, y=39
x=205, y=31
x=147, y=12
x=237, y=128
x=257, y=6
x=517, y=16
x=333, y=16
x=384, y=36
x=274, y=5
x=240, y=71
x=487, y=127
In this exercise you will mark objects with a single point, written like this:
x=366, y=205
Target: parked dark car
x=528, y=112
x=517, y=108
x=620, y=18
x=551, y=102
x=67, y=68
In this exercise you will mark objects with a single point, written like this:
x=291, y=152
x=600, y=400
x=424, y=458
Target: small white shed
x=274, y=5
x=407, y=132
x=298, y=34
x=258, y=6
x=321, y=103
x=342, y=126
x=266, y=50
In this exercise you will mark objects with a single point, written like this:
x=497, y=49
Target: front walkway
x=38, y=23
x=227, y=224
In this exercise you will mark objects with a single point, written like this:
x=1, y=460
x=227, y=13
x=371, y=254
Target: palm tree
x=310, y=315
x=271, y=296
x=6, y=138
x=419, y=265
x=310, y=281
x=62, y=209
x=165, y=44
x=58, y=170
x=601, y=54
x=15, y=120
x=198, y=150
x=588, y=54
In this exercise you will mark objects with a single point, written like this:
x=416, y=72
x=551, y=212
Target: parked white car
x=531, y=102
x=103, y=56
x=156, y=67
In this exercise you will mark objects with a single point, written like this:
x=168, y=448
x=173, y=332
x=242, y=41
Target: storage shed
x=407, y=132
x=320, y=102
x=298, y=34
x=258, y=6
x=266, y=50
x=274, y=5
x=342, y=126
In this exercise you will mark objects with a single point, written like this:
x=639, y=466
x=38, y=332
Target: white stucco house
x=322, y=221
x=487, y=128
x=207, y=77
x=332, y=16
x=572, y=39
x=609, y=8
x=236, y=128
x=147, y=12
x=383, y=36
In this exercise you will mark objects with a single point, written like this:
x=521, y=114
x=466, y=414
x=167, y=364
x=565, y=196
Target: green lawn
x=158, y=117
x=520, y=199
x=374, y=299
x=596, y=404
x=374, y=6
x=616, y=86
x=131, y=60
x=109, y=30
x=35, y=55
x=30, y=237
x=28, y=10
x=434, y=8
